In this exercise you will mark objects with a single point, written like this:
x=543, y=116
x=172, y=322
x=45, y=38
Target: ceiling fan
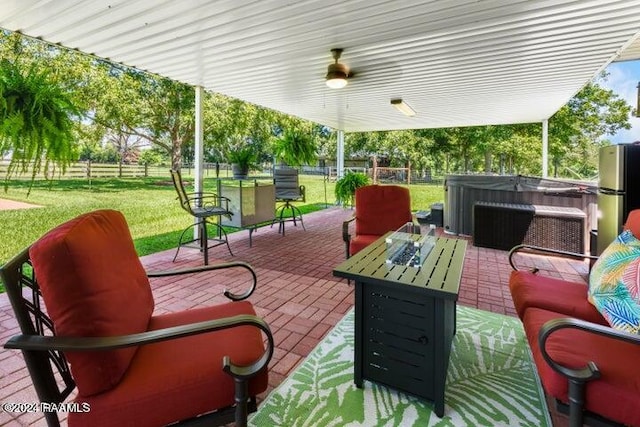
x=382, y=71
x=337, y=74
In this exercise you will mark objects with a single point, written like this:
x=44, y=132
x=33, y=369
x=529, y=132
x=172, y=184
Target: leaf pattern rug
x=491, y=381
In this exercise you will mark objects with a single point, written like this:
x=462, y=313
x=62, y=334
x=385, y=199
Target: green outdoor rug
x=491, y=382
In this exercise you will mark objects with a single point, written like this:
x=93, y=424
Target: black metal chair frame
x=49, y=370
x=202, y=206
x=577, y=377
x=287, y=196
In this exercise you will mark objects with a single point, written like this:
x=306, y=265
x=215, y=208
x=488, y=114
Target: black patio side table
x=405, y=318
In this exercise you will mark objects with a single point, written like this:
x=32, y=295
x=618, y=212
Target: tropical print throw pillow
x=614, y=283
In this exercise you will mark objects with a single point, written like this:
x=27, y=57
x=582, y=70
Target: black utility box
x=434, y=216
x=437, y=214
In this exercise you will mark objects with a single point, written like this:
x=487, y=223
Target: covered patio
x=456, y=63
x=452, y=63
x=297, y=294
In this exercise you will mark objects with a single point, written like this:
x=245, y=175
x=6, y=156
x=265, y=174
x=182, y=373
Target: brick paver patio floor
x=297, y=293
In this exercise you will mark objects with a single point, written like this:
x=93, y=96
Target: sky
x=623, y=79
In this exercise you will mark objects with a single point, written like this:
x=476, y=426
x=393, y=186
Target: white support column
x=545, y=148
x=198, y=159
x=340, y=155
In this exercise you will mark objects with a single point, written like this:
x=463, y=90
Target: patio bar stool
x=202, y=206
x=288, y=190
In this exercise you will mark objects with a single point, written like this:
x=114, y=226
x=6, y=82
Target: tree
x=113, y=99
x=152, y=157
x=326, y=140
x=578, y=128
x=126, y=145
x=228, y=119
x=132, y=103
x=576, y=132
x=440, y=147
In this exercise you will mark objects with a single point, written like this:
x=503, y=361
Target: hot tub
x=463, y=191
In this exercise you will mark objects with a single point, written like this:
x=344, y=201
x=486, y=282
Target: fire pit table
x=405, y=317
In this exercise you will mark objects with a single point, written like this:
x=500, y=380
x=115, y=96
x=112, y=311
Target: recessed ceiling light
x=403, y=107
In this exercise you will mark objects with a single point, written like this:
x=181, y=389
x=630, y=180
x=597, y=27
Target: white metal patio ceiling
x=457, y=63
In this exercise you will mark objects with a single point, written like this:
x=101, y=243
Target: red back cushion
x=381, y=208
x=93, y=285
x=633, y=222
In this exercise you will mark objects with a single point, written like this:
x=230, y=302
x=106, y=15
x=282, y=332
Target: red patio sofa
x=591, y=370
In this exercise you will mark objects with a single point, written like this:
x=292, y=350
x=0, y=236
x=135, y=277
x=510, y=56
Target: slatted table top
x=440, y=274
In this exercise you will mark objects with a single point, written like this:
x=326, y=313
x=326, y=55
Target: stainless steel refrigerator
x=618, y=189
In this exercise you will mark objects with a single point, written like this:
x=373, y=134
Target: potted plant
x=295, y=148
x=37, y=121
x=346, y=187
x=242, y=157
x=242, y=161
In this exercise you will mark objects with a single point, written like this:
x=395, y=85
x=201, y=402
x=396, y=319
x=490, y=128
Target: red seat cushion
x=178, y=379
x=381, y=208
x=633, y=222
x=616, y=395
x=568, y=298
x=361, y=241
x=93, y=285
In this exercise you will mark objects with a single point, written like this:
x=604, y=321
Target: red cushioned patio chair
x=379, y=209
x=590, y=369
x=84, y=305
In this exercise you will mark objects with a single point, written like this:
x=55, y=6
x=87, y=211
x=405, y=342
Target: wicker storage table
x=505, y=225
x=405, y=318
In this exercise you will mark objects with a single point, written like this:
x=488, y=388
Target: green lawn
x=149, y=204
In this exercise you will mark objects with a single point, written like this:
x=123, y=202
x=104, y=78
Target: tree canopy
x=112, y=111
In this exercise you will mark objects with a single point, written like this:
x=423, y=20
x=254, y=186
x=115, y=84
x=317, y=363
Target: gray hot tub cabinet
x=462, y=192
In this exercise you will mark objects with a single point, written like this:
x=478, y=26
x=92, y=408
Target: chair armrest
x=47, y=343
x=546, y=251
x=346, y=237
x=204, y=195
x=201, y=199
x=345, y=229
x=590, y=370
x=219, y=266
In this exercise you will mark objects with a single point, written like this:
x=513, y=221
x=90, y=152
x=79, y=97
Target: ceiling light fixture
x=337, y=73
x=403, y=107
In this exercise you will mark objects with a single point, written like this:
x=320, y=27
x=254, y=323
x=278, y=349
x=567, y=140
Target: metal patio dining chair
x=202, y=206
x=288, y=190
